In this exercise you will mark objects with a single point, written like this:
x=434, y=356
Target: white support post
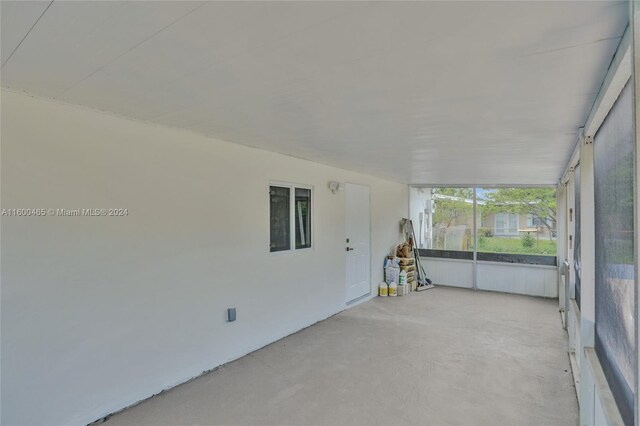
x=571, y=228
x=571, y=237
x=475, y=238
x=635, y=76
x=561, y=240
x=587, y=277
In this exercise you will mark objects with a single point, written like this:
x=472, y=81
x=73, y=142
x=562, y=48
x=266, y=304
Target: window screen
x=280, y=225
x=513, y=224
x=303, y=218
x=615, y=270
x=443, y=218
x=517, y=221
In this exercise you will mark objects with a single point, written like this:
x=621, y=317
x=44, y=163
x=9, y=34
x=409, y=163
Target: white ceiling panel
x=190, y=52
x=418, y=92
x=74, y=39
x=16, y=19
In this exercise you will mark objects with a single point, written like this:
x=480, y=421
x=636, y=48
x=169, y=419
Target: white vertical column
x=571, y=238
x=475, y=238
x=635, y=75
x=429, y=218
x=561, y=239
x=587, y=276
x=571, y=229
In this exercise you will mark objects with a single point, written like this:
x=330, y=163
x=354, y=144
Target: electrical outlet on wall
x=231, y=314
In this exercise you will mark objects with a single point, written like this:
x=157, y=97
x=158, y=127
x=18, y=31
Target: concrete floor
x=445, y=356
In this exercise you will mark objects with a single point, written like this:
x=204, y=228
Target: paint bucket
x=383, y=290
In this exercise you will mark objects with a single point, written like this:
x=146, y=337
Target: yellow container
x=393, y=289
x=383, y=290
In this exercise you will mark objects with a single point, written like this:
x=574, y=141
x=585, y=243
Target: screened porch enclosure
x=267, y=154
x=490, y=238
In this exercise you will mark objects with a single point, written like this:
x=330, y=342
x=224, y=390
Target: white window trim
x=530, y=221
x=292, y=217
x=495, y=224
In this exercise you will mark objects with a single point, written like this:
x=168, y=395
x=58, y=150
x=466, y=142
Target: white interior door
x=358, y=241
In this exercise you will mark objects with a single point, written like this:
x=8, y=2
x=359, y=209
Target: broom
x=424, y=283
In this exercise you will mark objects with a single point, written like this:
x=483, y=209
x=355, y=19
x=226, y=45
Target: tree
x=538, y=202
x=453, y=207
x=452, y=204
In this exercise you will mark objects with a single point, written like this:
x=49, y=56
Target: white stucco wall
x=98, y=313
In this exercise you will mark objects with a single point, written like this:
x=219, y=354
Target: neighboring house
x=499, y=224
x=513, y=224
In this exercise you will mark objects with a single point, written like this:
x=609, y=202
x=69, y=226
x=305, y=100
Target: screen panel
x=513, y=224
x=517, y=221
x=443, y=218
x=615, y=341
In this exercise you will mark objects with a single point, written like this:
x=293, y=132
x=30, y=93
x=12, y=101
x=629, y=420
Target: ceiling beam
x=617, y=76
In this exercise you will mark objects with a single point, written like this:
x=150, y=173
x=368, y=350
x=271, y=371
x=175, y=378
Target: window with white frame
x=290, y=217
x=506, y=224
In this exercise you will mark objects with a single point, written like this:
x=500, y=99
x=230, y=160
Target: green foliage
x=485, y=232
x=452, y=206
x=514, y=246
x=527, y=240
x=537, y=202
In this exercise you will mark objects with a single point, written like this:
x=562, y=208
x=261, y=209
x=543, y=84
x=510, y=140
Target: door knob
x=349, y=248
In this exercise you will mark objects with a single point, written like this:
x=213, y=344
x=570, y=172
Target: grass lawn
x=515, y=246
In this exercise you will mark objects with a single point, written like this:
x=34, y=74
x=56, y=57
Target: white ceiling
x=431, y=92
